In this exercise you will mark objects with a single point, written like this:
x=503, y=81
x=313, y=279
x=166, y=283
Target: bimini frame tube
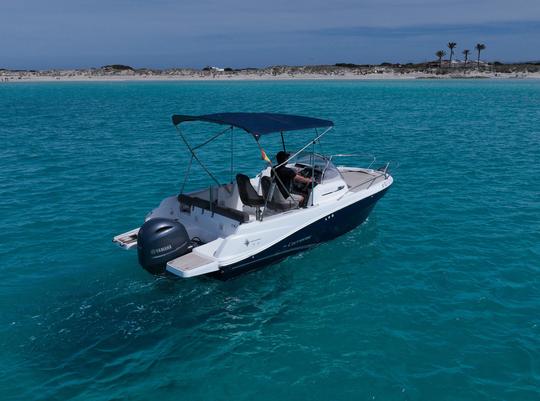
x=194, y=155
x=273, y=168
x=275, y=176
x=305, y=147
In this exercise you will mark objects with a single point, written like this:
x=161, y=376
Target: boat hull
x=325, y=229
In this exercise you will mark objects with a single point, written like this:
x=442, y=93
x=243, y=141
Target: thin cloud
x=492, y=28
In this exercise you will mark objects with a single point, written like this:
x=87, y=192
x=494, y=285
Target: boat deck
x=128, y=239
x=358, y=180
x=192, y=264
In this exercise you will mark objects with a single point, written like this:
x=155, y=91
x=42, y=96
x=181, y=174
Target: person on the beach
x=287, y=176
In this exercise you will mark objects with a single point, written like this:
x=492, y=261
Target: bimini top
x=258, y=124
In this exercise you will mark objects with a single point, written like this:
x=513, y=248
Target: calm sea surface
x=435, y=297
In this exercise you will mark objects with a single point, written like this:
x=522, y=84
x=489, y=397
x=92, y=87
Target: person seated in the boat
x=287, y=177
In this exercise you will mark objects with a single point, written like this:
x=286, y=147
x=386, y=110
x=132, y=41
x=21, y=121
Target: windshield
x=322, y=165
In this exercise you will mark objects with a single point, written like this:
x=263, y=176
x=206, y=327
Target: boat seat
x=239, y=216
x=248, y=195
x=278, y=202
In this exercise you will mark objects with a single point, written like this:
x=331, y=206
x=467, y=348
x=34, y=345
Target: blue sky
x=238, y=33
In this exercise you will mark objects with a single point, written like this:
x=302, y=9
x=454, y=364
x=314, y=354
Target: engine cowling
x=160, y=240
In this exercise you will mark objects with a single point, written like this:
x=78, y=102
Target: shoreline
x=265, y=74
x=266, y=78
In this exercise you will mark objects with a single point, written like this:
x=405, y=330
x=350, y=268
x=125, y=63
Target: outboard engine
x=159, y=241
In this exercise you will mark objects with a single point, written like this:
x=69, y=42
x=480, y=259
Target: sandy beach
x=270, y=73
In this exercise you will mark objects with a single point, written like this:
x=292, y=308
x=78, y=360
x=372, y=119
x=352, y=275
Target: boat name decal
x=294, y=243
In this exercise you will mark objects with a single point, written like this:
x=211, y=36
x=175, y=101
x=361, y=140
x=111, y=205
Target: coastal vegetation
x=440, y=54
x=466, y=55
x=451, y=46
x=479, y=47
x=437, y=68
x=117, y=67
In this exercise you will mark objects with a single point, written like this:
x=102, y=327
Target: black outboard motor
x=159, y=241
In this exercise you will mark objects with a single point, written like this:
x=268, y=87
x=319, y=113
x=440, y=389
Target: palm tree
x=440, y=54
x=479, y=47
x=451, y=46
x=466, y=54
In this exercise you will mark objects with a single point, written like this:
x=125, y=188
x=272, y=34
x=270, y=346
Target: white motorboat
x=230, y=228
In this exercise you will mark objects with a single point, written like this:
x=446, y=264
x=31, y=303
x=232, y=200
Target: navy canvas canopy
x=258, y=124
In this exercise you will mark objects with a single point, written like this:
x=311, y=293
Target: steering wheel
x=308, y=171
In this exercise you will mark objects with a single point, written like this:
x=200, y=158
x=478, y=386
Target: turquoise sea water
x=435, y=297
